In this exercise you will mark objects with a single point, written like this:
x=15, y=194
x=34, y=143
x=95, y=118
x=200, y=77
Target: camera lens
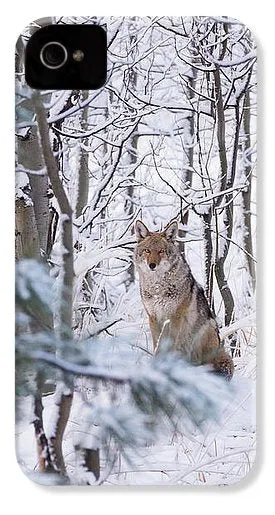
x=53, y=55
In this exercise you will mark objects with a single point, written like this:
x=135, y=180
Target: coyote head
x=155, y=250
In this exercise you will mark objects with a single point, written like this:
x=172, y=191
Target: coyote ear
x=171, y=231
x=141, y=230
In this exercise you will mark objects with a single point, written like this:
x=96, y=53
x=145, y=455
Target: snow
x=222, y=455
x=221, y=452
x=22, y=187
x=156, y=107
x=30, y=280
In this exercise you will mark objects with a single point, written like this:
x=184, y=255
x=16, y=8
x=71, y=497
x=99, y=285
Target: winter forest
x=170, y=136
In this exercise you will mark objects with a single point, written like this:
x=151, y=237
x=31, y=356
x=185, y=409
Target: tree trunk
x=188, y=174
x=29, y=156
x=82, y=187
x=248, y=246
x=26, y=234
x=220, y=259
x=132, y=155
x=129, y=206
x=208, y=258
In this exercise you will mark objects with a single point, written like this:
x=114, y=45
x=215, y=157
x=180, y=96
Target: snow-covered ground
x=222, y=454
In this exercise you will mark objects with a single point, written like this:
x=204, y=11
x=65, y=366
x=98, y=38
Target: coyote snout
x=175, y=303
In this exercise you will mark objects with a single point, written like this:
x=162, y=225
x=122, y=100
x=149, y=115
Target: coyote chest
x=161, y=297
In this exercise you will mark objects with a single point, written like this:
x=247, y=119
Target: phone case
x=135, y=214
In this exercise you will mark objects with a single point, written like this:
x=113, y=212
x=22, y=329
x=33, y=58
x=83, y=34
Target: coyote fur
x=175, y=303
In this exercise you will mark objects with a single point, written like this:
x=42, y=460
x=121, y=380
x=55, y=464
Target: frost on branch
x=140, y=401
x=34, y=292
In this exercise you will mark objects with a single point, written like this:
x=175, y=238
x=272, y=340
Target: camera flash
x=78, y=56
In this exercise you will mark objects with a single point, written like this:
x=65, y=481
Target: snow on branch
x=164, y=385
x=234, y=62
x=243, y=323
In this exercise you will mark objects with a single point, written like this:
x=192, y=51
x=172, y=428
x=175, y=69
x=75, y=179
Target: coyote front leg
x=155, y=332
x=159, y=332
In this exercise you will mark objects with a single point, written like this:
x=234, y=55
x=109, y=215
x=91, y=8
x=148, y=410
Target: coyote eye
x=147, y=251
x=161, y=251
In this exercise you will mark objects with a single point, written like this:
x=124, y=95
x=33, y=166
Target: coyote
x=176, y=305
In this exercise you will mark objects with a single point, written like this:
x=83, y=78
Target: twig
x=200, y=465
